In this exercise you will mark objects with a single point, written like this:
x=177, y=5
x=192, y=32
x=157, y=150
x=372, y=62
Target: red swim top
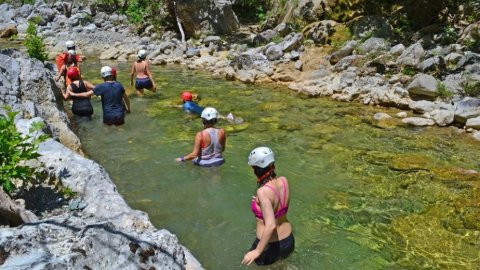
x=283, y=205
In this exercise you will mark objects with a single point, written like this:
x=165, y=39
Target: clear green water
x=364, y=195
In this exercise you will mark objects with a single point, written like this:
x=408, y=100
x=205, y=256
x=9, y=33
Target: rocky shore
x=98, y=230
x=426, y=79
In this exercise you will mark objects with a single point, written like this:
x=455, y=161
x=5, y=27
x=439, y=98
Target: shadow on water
x=365, y=194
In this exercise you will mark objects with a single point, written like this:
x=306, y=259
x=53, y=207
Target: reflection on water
x=365, y=194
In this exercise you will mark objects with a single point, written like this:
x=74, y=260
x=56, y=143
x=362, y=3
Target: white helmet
x=209, y=113
x=106, y=71
x=70, y=44
x=72, y=52
x=142, y=54
x=261, y=157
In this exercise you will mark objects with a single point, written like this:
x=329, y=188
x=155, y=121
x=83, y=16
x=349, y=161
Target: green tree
x=15, y=150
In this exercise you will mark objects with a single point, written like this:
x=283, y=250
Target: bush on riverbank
x=15, y=150
x=34, y=43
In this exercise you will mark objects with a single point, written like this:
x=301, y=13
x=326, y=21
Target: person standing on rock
x=81, y=105
x=144, y=78
x=209, y=143
x=270, y=206
x=115, y=101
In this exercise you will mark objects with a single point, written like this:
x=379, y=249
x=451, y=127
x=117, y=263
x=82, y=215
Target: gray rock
x=265, y=37
x=283, y=29
x=453, y=58
x=8, y=13
x=436, y=64
x=274, y=52
x=412, y=56
x=318, y=74
x=212, y=16
x=401, y=115
x=476, y=135
x=418, y=121
x=473, y=123
x=28, y=79
x=423, y=85
x=44, y=12
x=211, y=39
x=370, y=25
x=321, y=31
x=442, y=117
x=381, y=116
x=346, y=50
x=374, y=44
x=467, y=108
x=311, y=10
x=292, y=43
x=347, y=62
x=422, y=106
x=397, y=49
x=294, y=55
x=298, y=65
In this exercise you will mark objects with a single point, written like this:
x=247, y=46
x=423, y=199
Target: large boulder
x=7, y=30
x=412, y=56
x=28, y=87
x=8, y=13
x=467, y=108
x=311, y=10
x=423, y=85
x=212, y=16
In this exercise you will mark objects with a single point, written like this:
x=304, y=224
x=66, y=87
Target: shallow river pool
x=364, y=194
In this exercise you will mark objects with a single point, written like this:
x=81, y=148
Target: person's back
x=81, y=105
x=112, y=94
x=211, y=147
x=192, y=107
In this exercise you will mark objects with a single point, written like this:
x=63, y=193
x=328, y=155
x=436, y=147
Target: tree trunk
x=14, y=214
x=67, y=10
x=179, y=23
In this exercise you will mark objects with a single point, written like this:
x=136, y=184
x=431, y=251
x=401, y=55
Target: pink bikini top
x=283, y=206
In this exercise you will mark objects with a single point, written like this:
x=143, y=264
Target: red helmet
x=114, y=71
x=187, y=96
x=73, y=73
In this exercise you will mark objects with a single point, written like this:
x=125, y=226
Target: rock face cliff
x=99, y=231
x=206, y=16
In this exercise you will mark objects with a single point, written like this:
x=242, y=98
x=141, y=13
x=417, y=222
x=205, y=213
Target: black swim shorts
x=275, y=250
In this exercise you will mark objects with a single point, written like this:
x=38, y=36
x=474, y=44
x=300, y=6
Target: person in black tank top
x=81, y=105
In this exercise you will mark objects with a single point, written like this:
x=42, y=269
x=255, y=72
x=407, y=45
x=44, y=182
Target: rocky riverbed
x=424, y=77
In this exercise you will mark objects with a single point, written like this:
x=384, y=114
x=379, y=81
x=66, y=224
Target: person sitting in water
x=189, y=106
x=115, y=101
x=209, y=143
x=144, y=78
x=270, y=206
x=81, y=105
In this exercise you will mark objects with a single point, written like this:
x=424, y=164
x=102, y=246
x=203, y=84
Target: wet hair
x=212, y=121
x=264, y=175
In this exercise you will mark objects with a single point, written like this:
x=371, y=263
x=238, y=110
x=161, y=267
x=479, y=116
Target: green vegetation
x=410, y=71
x=449, y=35
x=249, y=11
x=15, y=150
x=472, y=89
x=443, y=92
x=34, y=43
x=67, y=192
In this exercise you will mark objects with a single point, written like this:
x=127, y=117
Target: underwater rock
x=409, y=162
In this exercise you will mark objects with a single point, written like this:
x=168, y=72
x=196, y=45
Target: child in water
x=189, y=106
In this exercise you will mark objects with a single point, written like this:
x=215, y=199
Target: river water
x=364, y=194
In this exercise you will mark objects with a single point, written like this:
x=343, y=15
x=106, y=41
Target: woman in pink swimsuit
x=274, y=232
